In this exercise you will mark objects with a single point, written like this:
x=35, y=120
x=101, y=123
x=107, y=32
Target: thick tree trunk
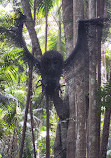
x=92, y=96
x=81, y=114
x=78, y=13
x=71, y=135
x=80, y=105
x=92, y=117
x=77, y=77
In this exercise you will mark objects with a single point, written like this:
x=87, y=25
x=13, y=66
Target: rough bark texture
x=92, y=9
x=78, y=13
x=62, y=109
x=30, y=26
x=77, y=76
x=100, y=8
x=100, y=12
x=67, y=6
x=71, y=136
x=92, y=94
x=92, y=118
x=61, y=134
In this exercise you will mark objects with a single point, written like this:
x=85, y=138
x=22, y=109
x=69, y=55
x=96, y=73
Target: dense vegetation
x=14, y=79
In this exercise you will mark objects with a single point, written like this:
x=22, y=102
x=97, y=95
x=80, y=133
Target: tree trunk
x=100, y=12
x=46, y=25
x=78, y=13
x=71, y=135
x=67, y=6
x=105, y=135
x=92, y=97
x=77, y=77
x=32, y=126
x=92, y=9
x=26, y=110
x=80, y=86
x=92, y=117
x=59, y=43
x=30, y=26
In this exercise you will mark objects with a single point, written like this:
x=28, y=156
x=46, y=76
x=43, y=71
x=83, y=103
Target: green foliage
x=44, y=5
x=105, y=95
x=11, y=66
x=14, y=82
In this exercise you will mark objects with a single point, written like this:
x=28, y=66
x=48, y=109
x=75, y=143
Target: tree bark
x=26, y=111
x=77, y=77
x=105, y=134
x=92, y=117
x=47, y=130
x=32, y=127
x=67, y=6
x=92, y=96
x=46, y=24
x=78, y=13
x=92, y=9
x=30, y=26
x=100, y=8
x=80, y=86
x=59, y=43
x=100, y=12
x=62, y=109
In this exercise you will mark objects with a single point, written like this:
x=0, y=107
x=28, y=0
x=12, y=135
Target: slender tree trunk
x=47, y=125
x=105, y=134
x=26, y=111
x=30, y=26
x=59, y=34
x=106, y=127
x=46, y=25
x=47, y=97
x=100, y=12
x=32, y=127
